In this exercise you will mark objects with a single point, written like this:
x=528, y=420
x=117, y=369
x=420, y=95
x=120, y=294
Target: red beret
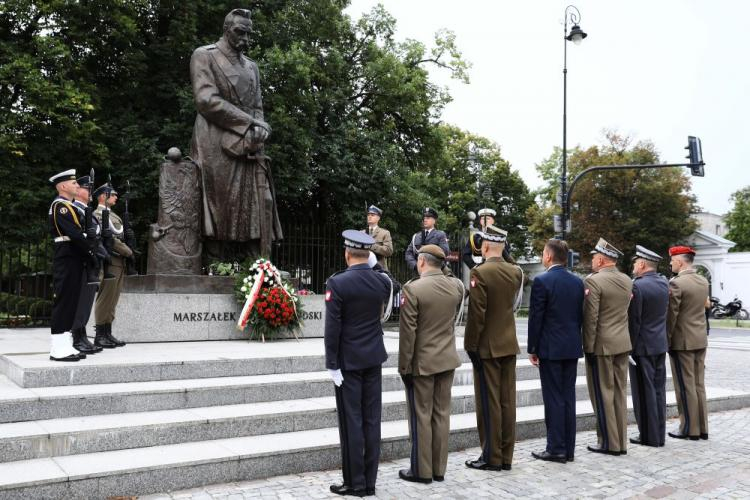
x=681, y=250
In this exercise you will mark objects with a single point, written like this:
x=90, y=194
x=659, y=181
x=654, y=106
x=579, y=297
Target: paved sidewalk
x=717, y=468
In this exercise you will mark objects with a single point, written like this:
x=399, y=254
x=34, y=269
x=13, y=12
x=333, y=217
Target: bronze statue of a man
x=239, y=207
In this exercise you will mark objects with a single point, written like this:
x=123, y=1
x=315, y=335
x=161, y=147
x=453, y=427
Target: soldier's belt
x=60, y=239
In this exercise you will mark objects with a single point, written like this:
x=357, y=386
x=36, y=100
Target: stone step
x=162, y=468
x=179, y=361
x=20, y=405
x=76, y=435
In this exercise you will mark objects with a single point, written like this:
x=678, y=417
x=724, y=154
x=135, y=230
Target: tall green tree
x=105, y=84
x=738, y=220
x=649, y=207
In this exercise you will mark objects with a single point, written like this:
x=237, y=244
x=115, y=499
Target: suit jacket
x=686, y=320
x=427, y=342
x=605, y=312
x=434, y=237
x=647, y=314
x=491, y=324
x=353, y=333
x=556, y=315
x=383, y=246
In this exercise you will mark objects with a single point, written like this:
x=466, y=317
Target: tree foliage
x=354, y=114
x=649, y=207
x=738, y=220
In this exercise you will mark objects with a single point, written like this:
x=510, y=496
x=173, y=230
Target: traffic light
x=574, y=258
x=695, y=155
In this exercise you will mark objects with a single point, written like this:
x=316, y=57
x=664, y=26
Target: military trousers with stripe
x=688, y=372
x=607, y=380
x=359, y=408
x=495, y=396
x=648, y=379
x=429, y=403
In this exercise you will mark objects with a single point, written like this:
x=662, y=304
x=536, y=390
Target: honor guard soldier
x=429, y=235
x=491, y=343
x=383, y=246
x=355, y=299
x=686, y=334
x=472, y=254
x=427, y=360
x=109, y=291
x=606, y=346
x=71, y=252
x=647, y=322
x=88, y=290
x=554, y=345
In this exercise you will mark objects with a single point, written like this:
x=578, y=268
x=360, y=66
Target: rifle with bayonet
x=129, y=235
x=107, y=236
x=89, y=225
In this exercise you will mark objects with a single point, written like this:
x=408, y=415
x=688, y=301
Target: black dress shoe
x=407, y=475
x=369, y=491
x=596, y=449
x=101, y=339
x=570, y=458
x=108, y=333
x=549, y=457
x=346, y=490
x=505, y=467
x=439, y=479
x=683, y=436
x=637, y=440
x=704, y=436
x=480, y=464
x=72, y=357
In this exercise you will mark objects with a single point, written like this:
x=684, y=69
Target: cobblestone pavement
x=717, y=468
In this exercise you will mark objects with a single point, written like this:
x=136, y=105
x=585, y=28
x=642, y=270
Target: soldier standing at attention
x=429, y=235
x=109, y=291
x=355, y=352
x=647, y=322
x=71, y=252
x=491, y=343
x=686, y=333
x=427, y=359
x=606, y=346
x=383, y=246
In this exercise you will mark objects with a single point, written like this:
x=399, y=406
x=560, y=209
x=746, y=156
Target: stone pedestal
x=171, y=308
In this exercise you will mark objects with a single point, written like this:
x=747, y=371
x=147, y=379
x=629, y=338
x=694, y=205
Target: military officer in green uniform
x=686, y=334
x=427, y=359
x=109, y=291
x=606, y=346
x=383, y=246
x=490, y=341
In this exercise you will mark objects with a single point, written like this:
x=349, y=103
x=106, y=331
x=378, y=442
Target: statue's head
x=237, y=29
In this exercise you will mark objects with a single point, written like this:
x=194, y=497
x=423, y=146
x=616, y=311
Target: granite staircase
x=151, y=418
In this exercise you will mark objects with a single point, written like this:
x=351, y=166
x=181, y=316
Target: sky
x=653, y=70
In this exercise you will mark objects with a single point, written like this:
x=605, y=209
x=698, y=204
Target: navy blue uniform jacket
x=353, y=334
x=647, y=314
x=556, y=315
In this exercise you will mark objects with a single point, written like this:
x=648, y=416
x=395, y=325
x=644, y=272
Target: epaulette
x=335, y=274
x=411, y=280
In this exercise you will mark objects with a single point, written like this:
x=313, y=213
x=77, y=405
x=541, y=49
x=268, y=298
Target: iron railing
x=310, y=253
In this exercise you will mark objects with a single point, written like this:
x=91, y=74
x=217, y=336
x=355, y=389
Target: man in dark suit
x=429, y=235
x=647, y=322
x=355, y=353
x=554, y=345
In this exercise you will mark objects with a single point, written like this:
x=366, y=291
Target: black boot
x=85, y=339
x=101, y=339
x=118, y=343
x=78, y=343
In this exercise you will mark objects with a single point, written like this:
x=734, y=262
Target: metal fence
x=310, y=253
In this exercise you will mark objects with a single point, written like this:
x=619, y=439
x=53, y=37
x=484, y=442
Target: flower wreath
x=270, y=305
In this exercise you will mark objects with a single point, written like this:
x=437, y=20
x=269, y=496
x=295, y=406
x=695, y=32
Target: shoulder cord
x=460, y=314
x=519, y=295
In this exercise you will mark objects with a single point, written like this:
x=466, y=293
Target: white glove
x=337, y=377
x=631, y=360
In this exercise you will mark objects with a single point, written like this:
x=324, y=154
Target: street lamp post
x=576, y=35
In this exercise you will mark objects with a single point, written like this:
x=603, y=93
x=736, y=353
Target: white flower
x=243, y=289
x=245, y=280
